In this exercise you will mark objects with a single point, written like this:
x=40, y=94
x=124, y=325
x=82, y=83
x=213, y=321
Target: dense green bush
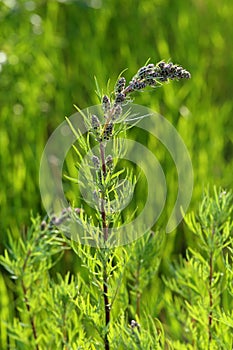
x=194, y=300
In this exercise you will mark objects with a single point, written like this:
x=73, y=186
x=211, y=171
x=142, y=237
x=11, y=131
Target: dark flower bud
x=169, y=66
x=109, y=161
x=108, y=131
x=66, y=211
x=95, y=122
x=106, y=104
x=134, y=324
x=138, y=85
x=96, y=162
x=161, y=64
x=117, y=112
x=187, y=75
x=163, y=78
x=120, y=85
x=156, y=73
x=151, y=81
x=151, y=66
x=142, y=72
x=178, y=71
x=55, y=220
x=171, y=71
x=120, y=97
x=43, y=225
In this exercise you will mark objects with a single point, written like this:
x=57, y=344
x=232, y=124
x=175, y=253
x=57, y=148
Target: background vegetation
x=49, y=54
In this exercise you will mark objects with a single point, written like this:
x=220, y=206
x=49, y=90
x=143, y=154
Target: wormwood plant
x=101, y=306
x=202, y=288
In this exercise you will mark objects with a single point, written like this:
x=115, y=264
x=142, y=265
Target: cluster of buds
x=148, y=75
x=151, y=75
x=117, y=111
x=171, y=71
x=114, y=110
x=104, y=132
x=107, y=131
x=57, y=220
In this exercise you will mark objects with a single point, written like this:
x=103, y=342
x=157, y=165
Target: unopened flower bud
x=96, y=162
x=171, y=71
x=95, y=122
x=117, y=112
x=120, y=97
x=150, y=66
x=142, y=72
x=120, y=85
x=106, y=104
x=138, y=85
x=161, y=64
x=43, y=225
x=151, y=81
x=134, y=324
x=109, y=161
x=108, y=131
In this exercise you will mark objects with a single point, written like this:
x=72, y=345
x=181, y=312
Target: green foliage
x=49, y=53
x=67, y=312
x=201, y=283
x=28, y=261
x=49, y=67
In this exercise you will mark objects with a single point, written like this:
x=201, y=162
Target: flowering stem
x=149, y=75
x=105, y=232
x=103, y=212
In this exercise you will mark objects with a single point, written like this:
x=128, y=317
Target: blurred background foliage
x=50, y=52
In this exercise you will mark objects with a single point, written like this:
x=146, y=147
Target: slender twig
x=210, y=316
x=64, y=329
x=31, y=318
x=105, y=232
x=103, y=212
x=106, y=307
x=138, y=300
x=102, y=155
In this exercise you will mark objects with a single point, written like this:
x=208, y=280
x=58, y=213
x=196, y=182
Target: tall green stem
x=210, y=293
